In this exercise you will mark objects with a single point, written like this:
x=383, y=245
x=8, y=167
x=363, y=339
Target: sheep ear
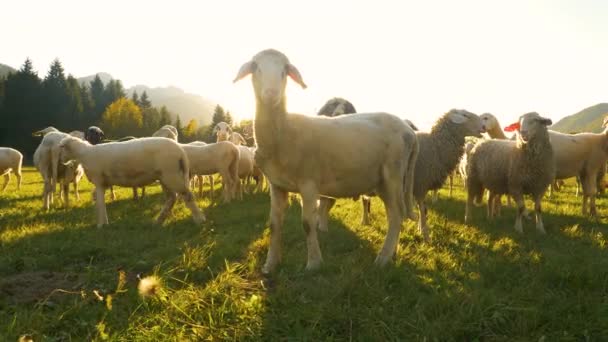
x=294, y=74
x=458, y=118
x=245, y=70
x=546, y=122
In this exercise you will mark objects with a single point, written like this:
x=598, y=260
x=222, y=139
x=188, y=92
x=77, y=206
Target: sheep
x=526, y=166
x=237, y=139
x=44, y=131
x=69, y=172
x=10, y=160
x=77, y=134
x=135, y=163
x=95, y=135
x=223, y=131
x=492, y=126
x=46, y=160
x=208, y=159
x=582, y=155
x=337, y=106
x=439, y=153
x=317, y=156
x=167, y=131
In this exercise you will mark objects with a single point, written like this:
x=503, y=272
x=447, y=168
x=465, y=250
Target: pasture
x=62, y=279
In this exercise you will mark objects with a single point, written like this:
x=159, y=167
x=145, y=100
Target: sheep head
x=94, y=135
x=411, y=124
x=171, y=128
x=222, y=130
x=471, y=123
x=43, y=132
x=529, y=126
x=238, y=139
x=489, y=122
x=269, y=70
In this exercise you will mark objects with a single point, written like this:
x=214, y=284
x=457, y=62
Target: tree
x=165, y=117
x=144, y=102
x=190, y=131
x=99, y=102
x=151, y=118
x=88, y=107
x=218, y=115
x=135, y=98
x=55, y=95
x=179, y=127
x=122, y=117
x=75, y=107
x=228, y=118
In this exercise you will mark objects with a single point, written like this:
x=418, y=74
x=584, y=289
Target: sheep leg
x=325, y=205
x=392, y=194
x=169, y=203
x=422, y=225
x=65, y=189
x=367, y=204
x=468, y=206
x=197, y=215
x=135, y=194
x=451, y=183
x=200, y=185
x=100, y=205
x=143, y=192
x=519, y=201
x=435, y=196
x=212, y=185
x=278, y=205
x=490, y=206
x=538, y=213
x=7, y=178
x=18, y=174
x=76, y=190
x=310, y=196
x=113, y=193
x=46, y=194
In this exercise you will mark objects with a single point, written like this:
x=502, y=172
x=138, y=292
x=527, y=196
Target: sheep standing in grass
x=583, y=155
x=68, y=173
x=246, y=158
x=222, y=157
x=332, y=157
x=167, y=131
x=439, y=153
x=10, y=160
x=516, y=168
x=135, y=163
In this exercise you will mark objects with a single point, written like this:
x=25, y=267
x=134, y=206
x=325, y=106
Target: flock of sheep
x=326, y=157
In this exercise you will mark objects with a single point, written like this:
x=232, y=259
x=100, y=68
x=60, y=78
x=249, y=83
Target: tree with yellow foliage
x=122, y=117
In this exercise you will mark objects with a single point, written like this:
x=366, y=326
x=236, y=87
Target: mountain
x=587, y=120
x=188, y=106
x=104, y=76
x=5, y=70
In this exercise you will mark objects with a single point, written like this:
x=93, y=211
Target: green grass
x=62, y=279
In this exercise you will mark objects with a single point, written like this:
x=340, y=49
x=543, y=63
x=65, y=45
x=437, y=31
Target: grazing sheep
x=246, y=166
x=46, y=160
x=525, y=166
x=337, y=106
x=237, y=139
x=135, y=163
x=167, y=131
x=582, y=155
x=439, y=153
x=222, y=157
x=317, y=156
x=10, y=160
x=44, y=131
x=69, y=172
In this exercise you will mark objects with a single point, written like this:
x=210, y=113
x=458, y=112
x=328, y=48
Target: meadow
x=63, y=279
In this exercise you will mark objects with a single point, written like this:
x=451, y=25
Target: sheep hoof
x=313, y=265
x=322, y=227
x=199, y=219
x=365, y=222
x=381, y=260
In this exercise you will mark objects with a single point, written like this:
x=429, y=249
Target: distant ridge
x=5, y=70
x=587, y=120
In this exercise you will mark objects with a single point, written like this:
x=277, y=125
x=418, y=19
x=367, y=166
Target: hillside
x=188, y=106
x=5, y=70
x=587, y=120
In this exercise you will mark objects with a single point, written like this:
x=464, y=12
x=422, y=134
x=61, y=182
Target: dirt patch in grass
x=31, y=287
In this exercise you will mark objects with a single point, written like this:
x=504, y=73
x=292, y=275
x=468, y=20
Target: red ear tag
x=512, y=127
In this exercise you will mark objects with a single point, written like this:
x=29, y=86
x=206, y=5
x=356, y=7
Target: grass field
x=62, y=279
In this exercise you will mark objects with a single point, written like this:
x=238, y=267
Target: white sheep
x=525, y=166
x=167, y=131
x=331, y=157
x=222, y=157
x=223, y=131
x=44, y=131
x=10, y=161
x=582, y=155
x=237, y=139
x=135, y=163
x=70, y=172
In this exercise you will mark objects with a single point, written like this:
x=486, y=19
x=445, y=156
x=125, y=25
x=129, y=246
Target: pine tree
x=75, y=107
x=135, y=98
x=228, y=118
x=218, y=115
x=99, y=103
x=88, y=107
x=165, y=117
x=152, y=119
x=144, y=102
x=179, y=127
x=55, y=95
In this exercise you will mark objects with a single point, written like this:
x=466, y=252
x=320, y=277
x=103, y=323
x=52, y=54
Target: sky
x=415, y=59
